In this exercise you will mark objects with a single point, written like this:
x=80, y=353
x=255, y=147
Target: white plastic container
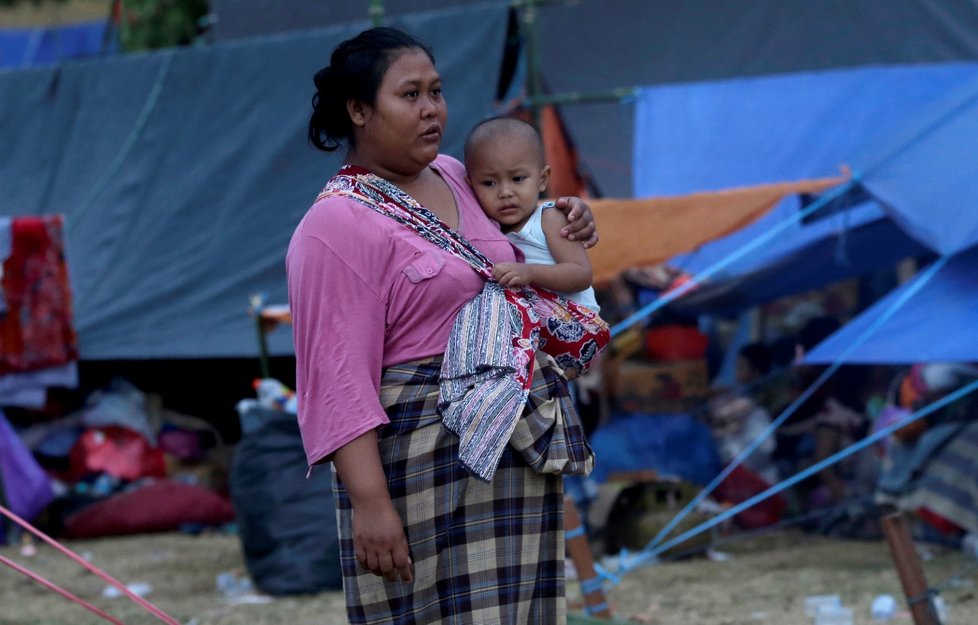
x=814, y=602
x=884, y=608
x=833, y=615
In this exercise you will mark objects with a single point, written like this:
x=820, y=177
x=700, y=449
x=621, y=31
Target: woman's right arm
x=378, y=533
x=338, y=327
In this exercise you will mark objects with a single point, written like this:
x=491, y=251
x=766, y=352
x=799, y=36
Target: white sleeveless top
x=533, y=243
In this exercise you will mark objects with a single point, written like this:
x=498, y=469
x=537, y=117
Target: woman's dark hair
x=355, y=71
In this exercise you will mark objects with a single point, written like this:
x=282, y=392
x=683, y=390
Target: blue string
x=646, y=555
x=591, y=585
x=574, y=533
x=897, y=304
x=731, y=258
x=593, y=609
x=605, y=574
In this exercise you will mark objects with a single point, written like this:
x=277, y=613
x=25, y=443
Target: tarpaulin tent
x=592, y=47
x=238, y=19
x=924, y=173
x=744, y=131
x=183, y=173
x=33, y=47
x=599, y=45
x=648, y=231
x=936, y=325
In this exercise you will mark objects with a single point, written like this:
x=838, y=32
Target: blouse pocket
x=424, y=267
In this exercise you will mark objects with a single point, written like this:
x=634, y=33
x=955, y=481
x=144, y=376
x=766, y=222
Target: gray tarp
x=237, y=19
x=183, y=174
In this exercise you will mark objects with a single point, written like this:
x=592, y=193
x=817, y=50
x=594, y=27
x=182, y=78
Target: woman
x=373, y=305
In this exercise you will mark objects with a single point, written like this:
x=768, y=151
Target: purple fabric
x=26, y=487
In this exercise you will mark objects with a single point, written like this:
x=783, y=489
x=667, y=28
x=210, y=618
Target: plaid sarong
x=483, y=553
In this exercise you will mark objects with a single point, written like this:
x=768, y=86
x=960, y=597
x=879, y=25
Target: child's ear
x=544, y=178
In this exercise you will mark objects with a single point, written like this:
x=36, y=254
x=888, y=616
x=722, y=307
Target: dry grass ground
x=765, y=582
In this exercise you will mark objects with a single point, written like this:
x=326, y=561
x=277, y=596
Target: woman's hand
x=379, y=541
x=580, y=225
x=378, y=533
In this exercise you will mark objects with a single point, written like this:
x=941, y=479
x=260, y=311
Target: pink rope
x=61, y=591
x=160, y=614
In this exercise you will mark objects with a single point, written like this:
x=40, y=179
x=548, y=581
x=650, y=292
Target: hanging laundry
x=37, y=330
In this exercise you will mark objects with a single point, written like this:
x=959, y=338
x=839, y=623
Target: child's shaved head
x=504, y=128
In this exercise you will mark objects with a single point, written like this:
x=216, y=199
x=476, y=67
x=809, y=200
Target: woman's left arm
x=580, y=222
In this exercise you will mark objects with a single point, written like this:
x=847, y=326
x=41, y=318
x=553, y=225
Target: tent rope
x=61, y=591
x=149, y=607
x=731, y=258
x=650, y=554
x=801, y=399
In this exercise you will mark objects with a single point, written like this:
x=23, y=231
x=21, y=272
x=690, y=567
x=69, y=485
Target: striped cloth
x=483, y=553
x=949, y=483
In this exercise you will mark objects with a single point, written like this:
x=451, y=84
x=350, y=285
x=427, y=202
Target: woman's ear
x=357, y=111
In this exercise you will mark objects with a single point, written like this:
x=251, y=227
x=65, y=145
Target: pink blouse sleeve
x=338, y=328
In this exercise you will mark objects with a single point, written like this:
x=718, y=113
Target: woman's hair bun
x=324, y=78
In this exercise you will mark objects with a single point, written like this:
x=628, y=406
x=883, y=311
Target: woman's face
x=402, y=131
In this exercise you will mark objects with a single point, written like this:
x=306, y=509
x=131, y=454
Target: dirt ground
x=764, y=581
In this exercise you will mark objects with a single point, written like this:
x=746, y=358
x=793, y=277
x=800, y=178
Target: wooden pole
x=580, y=555
x=908, y=568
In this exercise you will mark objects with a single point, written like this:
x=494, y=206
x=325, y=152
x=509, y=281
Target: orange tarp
x=649, y=231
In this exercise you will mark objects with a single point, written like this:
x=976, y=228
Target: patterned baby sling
x=487, y=368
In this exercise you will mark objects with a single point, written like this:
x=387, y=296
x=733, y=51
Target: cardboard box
x=643, y=386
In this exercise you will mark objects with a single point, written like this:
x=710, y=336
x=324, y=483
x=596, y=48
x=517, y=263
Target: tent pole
x=376, y=12
x=911, y=573
x=583, y=97
x=530, y=35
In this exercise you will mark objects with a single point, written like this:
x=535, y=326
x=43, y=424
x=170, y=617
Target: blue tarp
x=743, y=132
x=672, y=444
x=937, y=324
x=32, y=47
x=925, y=172
x=806, y=263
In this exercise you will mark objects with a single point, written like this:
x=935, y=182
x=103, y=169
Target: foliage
x=149, y=24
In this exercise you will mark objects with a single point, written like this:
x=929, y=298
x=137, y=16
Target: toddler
x=506, y=169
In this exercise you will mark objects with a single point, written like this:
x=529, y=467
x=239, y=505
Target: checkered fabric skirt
x=483, y=553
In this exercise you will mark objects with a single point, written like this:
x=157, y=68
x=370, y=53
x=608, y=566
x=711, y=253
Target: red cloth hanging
x=37, y=330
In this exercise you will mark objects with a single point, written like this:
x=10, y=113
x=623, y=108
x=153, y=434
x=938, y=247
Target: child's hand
x=512, y=275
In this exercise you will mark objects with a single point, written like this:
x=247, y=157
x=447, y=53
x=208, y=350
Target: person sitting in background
x=737, y=419
x=828, y=420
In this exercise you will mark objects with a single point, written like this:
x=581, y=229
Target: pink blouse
x=366, y=293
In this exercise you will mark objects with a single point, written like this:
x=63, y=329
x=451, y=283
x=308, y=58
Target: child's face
x=507, y=177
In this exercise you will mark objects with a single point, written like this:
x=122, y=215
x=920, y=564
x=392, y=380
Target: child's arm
x=571, y=271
